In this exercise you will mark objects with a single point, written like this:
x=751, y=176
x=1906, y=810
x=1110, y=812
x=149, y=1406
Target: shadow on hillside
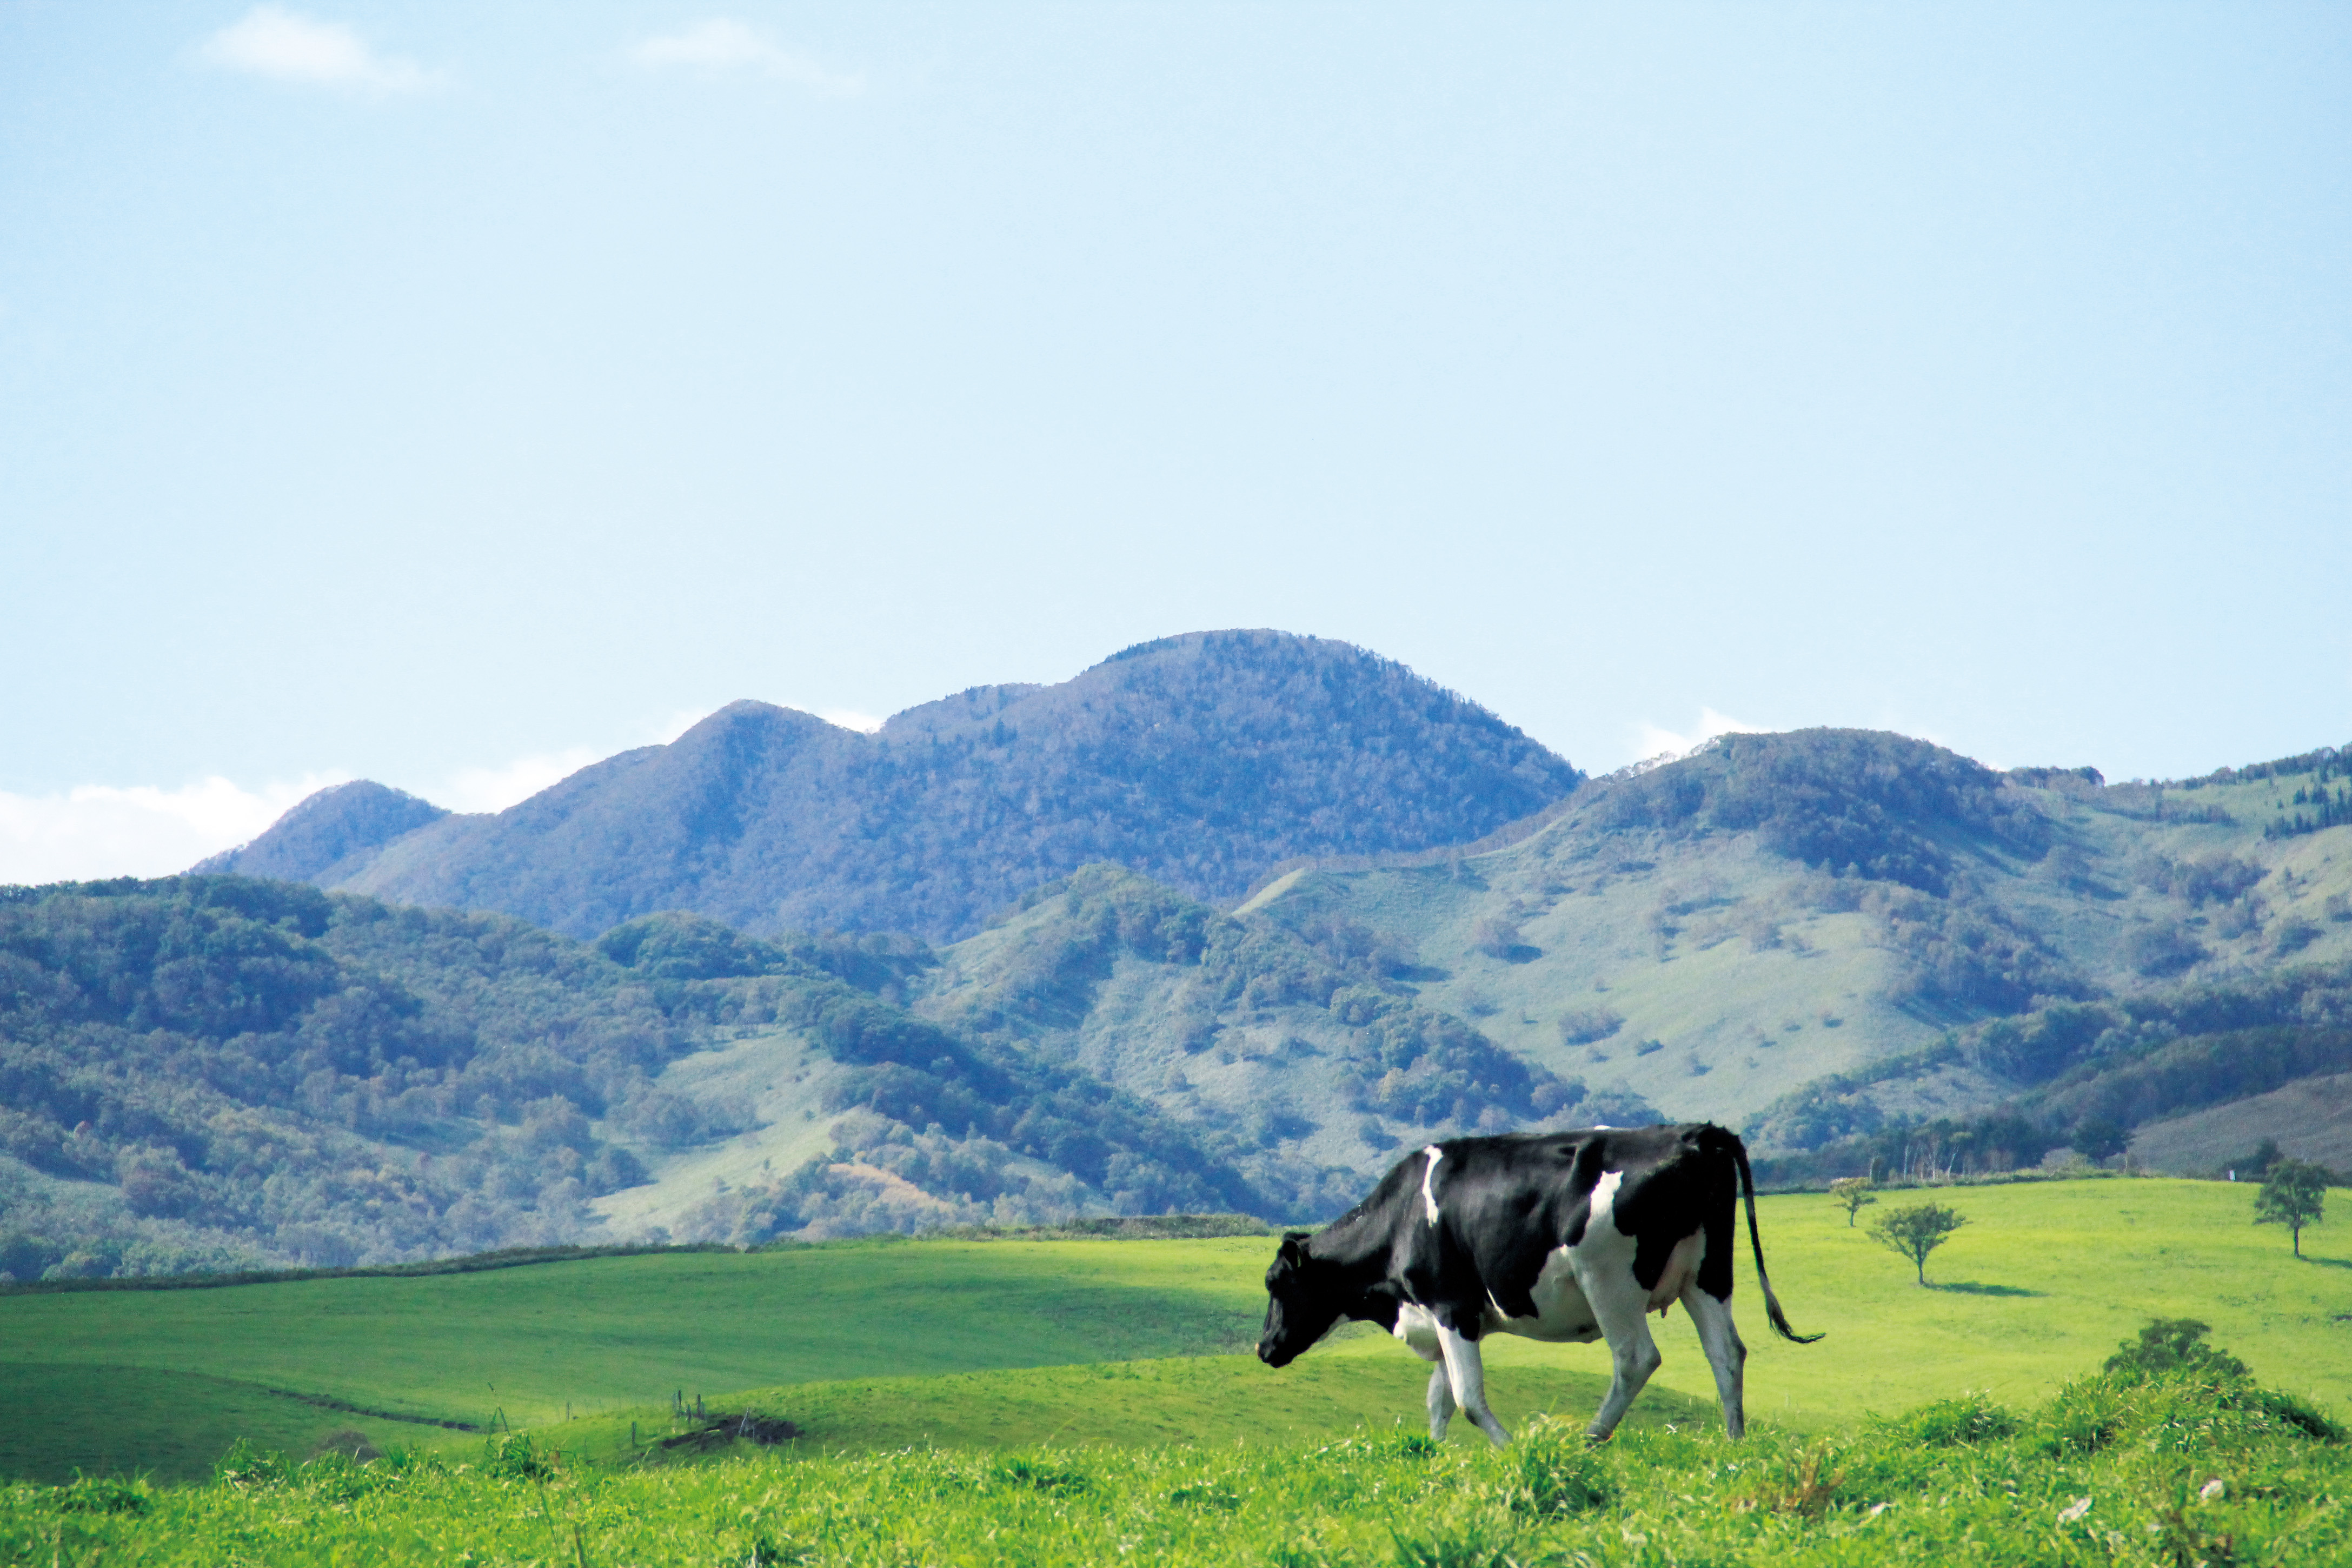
x=1971, y=1288
x=2329, y=1262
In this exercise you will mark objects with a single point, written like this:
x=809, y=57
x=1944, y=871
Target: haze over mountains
x=1856, y=947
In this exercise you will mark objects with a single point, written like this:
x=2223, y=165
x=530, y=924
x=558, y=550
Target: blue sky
x=450, y=395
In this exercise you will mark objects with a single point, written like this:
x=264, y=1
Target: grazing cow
x=1553, y=1235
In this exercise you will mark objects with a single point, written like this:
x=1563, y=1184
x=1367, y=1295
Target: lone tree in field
x=2294, y=1195
x=1851, y=1194
x=1916, y=1231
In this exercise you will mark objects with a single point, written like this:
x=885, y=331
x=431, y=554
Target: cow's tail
x=1756, y=1240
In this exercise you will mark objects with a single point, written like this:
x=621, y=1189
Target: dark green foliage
x=1916, y=1230
x=1408, y=1061
x=2098, y=1138
x=264, y=1073
x=1201, y=761
x=2294, y=1195
x=1965, y=950
x=242, y=1056
x=2160, y=951
x=1855, y=802
x=2172, y=1347
x=2214, y=878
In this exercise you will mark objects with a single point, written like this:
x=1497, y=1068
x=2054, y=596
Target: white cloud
x=497, y=788
x=273, y=42
x=1653, y=742
x=103, y=830
x=720, y=45
x=848, y=719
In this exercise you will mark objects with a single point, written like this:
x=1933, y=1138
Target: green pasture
x=2173, y=1471
x=881, y=1344
x=1199, y=1401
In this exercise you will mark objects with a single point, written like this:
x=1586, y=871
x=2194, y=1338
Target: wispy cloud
x=509, y=784
x=1653, y=741
x=104, y=830
x=285, y=46
x=721, y=45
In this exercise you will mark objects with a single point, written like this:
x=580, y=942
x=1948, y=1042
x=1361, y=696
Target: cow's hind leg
x=1440, y=1401
x=1617, y=1305
x=1467, y=1371
x=1719, y=1337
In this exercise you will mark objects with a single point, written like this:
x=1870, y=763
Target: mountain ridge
x=1199, y=760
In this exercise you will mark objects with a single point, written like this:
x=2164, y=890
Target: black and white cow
x=1553, y=1235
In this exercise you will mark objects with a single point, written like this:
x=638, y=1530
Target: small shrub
x=1947, y=1423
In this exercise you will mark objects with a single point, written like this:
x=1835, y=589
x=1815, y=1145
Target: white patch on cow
x=1562, y=1315
x=1604, y=1195
x=1681, y=1268
x=1416, y=1325
x=1428, y=1182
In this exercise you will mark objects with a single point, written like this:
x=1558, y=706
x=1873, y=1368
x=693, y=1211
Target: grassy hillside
x=1199, y=760
x=877, y=1344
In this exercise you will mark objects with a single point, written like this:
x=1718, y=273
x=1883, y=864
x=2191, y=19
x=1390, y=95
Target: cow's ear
x=1294, y=1246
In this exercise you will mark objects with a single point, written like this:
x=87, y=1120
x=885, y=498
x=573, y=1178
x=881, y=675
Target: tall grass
x=2117, y=1468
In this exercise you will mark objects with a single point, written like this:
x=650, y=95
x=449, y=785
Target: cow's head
x=1302, y=1303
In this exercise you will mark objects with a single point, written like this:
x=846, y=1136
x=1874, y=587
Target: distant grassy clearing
x=611, y=1332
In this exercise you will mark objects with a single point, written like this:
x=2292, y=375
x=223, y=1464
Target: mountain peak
x=328, y=833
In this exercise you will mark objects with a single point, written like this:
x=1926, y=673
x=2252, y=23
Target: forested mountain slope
x=209, y=1071
x=1200, y=760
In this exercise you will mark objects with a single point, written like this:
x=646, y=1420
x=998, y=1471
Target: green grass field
x=878, y=1345
x=2174, y=1471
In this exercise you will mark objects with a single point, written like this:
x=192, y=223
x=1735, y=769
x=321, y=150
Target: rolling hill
x=991, y=1343
x=1200, y=760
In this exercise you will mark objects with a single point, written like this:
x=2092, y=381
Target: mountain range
x=1225, y=922
x=1199, y=761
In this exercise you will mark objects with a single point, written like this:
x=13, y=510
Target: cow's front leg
x=1719, y=1337
x=1618, y=1301
x=1440, y=1401
x=1468, y=1374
